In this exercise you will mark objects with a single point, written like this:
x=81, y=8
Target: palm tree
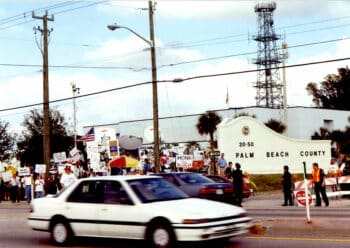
x=207, y=123
x=276, y=125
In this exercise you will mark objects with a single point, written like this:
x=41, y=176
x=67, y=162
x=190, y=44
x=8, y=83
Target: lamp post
x=75, y=91
x=151, y=43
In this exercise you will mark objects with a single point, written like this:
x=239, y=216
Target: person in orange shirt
x=318, y=178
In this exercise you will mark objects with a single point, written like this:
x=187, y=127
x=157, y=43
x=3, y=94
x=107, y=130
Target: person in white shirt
x=39, y=186
x=67, y=177
x=28, y=182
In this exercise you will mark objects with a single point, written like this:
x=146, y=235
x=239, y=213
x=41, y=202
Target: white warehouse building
x=303, y=122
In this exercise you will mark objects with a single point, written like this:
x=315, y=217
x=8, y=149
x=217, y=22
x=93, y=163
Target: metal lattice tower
x=268, y=85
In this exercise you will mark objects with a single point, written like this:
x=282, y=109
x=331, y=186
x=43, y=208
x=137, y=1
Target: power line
x=176, y=80
x=50, y=7
x=166, y=65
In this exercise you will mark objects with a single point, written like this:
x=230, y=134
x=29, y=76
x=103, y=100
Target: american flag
x=89, y=136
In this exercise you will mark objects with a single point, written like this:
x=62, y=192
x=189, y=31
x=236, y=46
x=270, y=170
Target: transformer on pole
x=269, y=88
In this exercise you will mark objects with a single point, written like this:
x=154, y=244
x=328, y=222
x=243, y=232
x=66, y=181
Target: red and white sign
x=301, y=199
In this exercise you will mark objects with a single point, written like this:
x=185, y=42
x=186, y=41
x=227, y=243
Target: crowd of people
x=34, y=185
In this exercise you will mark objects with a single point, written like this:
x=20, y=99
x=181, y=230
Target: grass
x=269, y=182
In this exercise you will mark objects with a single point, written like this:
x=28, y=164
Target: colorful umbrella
x=124, y=162
x=12, y=169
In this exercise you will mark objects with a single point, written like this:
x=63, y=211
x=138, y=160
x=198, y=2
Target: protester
x=13, y=188
x=28, y=182
x=318, y=178
x=52, y=185
x=67, y=177
x=333, y=167
x=287, y=185
x=237, y=176
x=39, y=186
x=346, y=169
x=221, y=164
x=146, y=166
x=228, y=171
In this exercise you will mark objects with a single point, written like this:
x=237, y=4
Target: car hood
x=198, y=208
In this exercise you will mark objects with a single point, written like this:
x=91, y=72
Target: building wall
x=302, y=123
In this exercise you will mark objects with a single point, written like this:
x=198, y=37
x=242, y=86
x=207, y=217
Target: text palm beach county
x=281, y=154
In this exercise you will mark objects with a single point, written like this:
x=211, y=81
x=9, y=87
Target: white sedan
x=134, y=207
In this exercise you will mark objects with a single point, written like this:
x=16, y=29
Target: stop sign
x=301, y=199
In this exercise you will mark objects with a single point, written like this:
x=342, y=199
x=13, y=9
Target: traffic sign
x=301, y=199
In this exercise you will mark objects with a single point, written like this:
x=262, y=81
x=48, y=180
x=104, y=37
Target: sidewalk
x=10, y=204
x=289, y=226
x=274, y=199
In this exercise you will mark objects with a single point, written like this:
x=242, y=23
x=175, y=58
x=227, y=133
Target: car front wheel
x=160, y=235
x=60, y=232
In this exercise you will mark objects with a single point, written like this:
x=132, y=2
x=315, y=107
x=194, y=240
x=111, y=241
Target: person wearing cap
x=67, y=177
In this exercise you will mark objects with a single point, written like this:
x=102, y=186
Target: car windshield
x=155, y=189
x=194, y=178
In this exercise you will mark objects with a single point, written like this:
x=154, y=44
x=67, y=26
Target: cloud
x=184, y=9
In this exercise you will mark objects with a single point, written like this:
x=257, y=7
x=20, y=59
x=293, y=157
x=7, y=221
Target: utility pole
x=45, y=32
x=154, y=89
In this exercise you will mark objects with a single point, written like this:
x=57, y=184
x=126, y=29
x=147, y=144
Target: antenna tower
x=268, y=86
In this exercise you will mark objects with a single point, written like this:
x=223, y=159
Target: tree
x=207, y=123
x=30, y=144
x=334, y=91
x=340, y=138
x=275, y=125
x=7, y=141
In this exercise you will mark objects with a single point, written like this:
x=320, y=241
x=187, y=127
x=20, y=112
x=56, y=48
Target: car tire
x=61, y=233
x=160, y=234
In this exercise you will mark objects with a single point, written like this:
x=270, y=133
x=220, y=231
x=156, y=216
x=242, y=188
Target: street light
x=75, y=91
x=154, y=81
x=115, y=26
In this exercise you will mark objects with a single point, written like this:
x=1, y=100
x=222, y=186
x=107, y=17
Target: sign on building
x=260, y=150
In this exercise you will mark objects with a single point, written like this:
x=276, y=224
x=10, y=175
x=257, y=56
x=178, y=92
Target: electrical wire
x=176, y=80
x=168, y=65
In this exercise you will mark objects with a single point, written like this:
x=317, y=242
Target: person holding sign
x=318, y=178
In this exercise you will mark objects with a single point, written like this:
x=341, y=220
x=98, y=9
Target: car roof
x=176, y=173
x=120, y=177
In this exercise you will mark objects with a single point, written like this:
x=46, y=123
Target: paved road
x=289, y=221
x=276, y=226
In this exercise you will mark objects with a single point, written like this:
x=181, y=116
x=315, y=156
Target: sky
x=192, y=38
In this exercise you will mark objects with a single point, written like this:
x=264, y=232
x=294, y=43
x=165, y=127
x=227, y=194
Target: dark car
x=246, y=183
x=197, y=185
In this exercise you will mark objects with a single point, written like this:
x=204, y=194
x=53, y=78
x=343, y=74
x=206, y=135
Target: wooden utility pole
x=45, y=32
x=150, y=42
x=154, y=90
